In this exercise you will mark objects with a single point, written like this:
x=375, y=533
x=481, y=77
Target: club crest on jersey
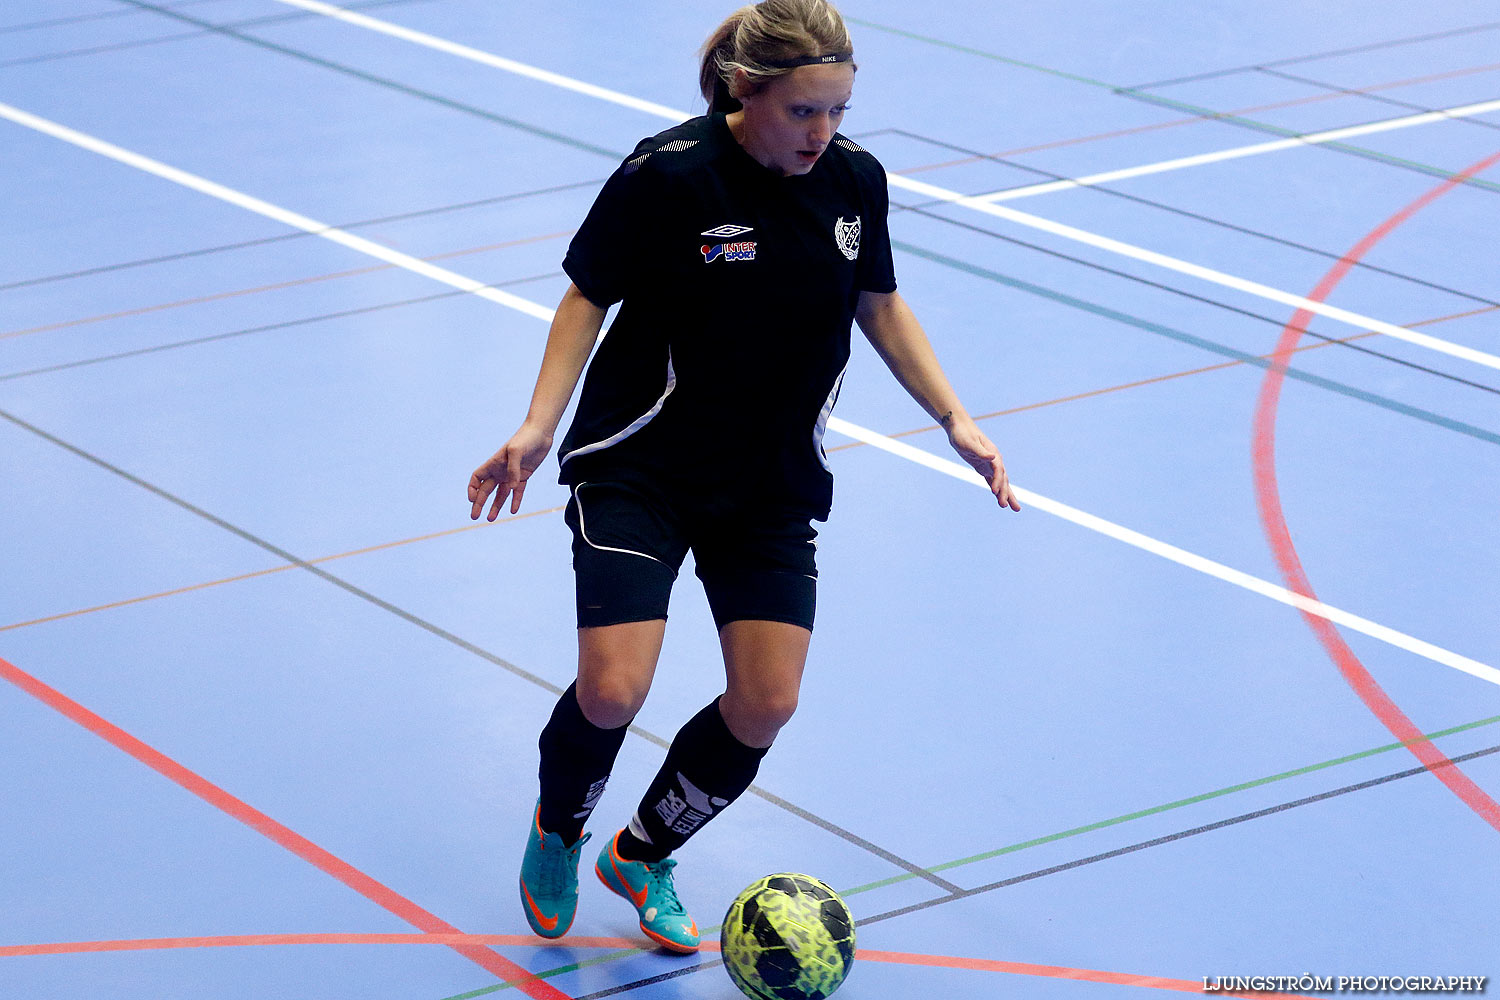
x=729, y=251
x=847, y=235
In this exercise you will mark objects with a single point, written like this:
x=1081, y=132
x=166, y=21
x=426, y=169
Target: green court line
x=559, y=971
x=1053, y=838
x=1287, y=133
x=1178, y=804
x=979, y=52
x=1374, y=399
x=1175, y=105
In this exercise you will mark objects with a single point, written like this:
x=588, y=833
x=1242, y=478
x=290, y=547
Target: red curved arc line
x=531, y=941
x=299, y=845
x=1273, y=519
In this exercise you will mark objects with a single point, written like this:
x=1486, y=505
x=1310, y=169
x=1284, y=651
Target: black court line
x=1378, y=98
x=614, y=155
x=1212, y=346
x=103, y=15
x=450, y=637
x=1384, y=402
x=380, y=81
x=287, y=324
x=94, y=50
x=1266, y=128
x=1080, y=863
x=1185, y=213
x=300, y=234
x=1183, y=293
x=1372, y=47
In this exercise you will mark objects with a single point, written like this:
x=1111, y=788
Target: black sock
x=705, y=770
x=577, y=757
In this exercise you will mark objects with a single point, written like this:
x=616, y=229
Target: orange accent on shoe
x=638, y=898
x=545, y=923
x=667, y=943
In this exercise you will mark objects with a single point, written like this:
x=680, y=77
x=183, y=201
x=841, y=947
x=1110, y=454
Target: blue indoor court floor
x=1221, y=701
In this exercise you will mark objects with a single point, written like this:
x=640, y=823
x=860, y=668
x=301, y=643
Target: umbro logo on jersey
x=726, y=231
x=729, y=251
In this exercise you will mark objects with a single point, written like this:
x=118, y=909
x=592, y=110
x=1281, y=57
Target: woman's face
x=790, y=120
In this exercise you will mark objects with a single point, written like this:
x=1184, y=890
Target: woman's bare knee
x=615, y=666
x=756, y=717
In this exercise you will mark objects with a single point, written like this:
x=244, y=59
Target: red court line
x=305, y=849
x=1273, y=519
x=1052, y=972
x=530, y=941
x=269, y=940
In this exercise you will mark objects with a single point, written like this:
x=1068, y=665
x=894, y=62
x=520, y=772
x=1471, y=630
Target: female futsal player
x=741, y=245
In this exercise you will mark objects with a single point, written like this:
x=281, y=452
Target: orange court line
x=267, y=572
x=1163, y=378
x=532, y=941
x=1051, y=972
x=278, y=833
x=267, y=940
x=219, y=296
x=1313, y=99
x=842, y=447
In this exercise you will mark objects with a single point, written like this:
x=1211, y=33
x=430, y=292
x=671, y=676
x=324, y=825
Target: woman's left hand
x=975, y=448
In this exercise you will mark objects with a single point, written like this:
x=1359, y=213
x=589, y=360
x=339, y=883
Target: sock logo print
x=685, y=813
x=592, y=798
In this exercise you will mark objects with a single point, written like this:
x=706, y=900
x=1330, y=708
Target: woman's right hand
x=506, y=471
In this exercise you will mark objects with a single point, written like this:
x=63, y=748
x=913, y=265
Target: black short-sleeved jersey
x=738, y=288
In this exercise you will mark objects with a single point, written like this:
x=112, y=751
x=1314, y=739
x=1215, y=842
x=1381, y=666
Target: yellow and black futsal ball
x=788, y=937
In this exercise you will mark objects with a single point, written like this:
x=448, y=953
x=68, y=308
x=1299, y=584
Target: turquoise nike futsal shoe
x=549, y=880
x=647, y=885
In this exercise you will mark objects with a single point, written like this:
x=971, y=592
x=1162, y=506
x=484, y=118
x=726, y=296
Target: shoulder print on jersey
x=847, y=235
x=850, y=145
x=675, y=146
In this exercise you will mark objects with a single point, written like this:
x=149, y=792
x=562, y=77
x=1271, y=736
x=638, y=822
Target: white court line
x=1311, y=138
x=1254, y=584
x=976, y=203
x=270, y=211
x=1182, y=557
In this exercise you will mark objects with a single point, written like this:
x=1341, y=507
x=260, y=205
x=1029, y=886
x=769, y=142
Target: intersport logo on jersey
x=729, y=251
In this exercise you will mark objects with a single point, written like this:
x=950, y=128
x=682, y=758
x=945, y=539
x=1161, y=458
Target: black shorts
x=628, y=544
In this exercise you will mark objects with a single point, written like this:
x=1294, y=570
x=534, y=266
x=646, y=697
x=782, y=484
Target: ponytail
x=718, y=51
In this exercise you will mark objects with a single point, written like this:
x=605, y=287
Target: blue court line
x=1362, y=395
x=1193, y=109
x=286, y=324
x=103, y=15
x=94, y=50
x=1017, y=879
x=141, y=3
x=1184, y=213
x=1379, y=98
x=221, y=29
x=300, y=235
x=847, y=835
x=1353, y=50
x=1216, y=303
x=1343, y=147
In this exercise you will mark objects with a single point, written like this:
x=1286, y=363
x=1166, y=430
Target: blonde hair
x=767, y=32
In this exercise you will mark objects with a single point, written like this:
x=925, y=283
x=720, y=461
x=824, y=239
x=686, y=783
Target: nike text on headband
x=831, y=57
